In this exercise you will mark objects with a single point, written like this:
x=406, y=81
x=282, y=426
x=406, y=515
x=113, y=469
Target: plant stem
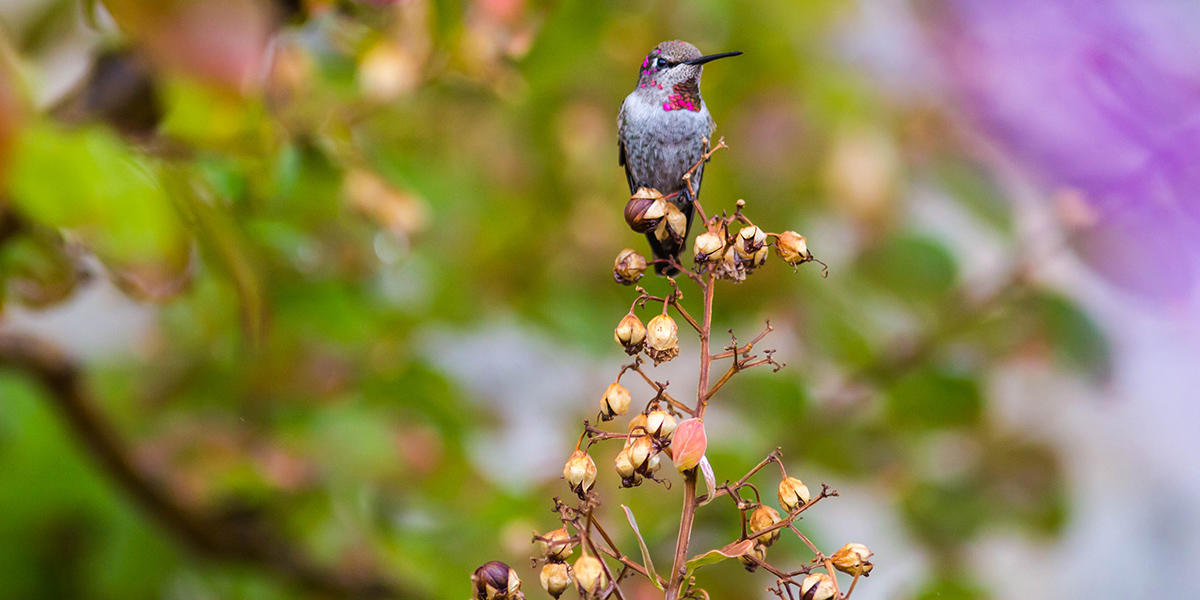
x=678, y=565
x=688, y=513
x=705, y=357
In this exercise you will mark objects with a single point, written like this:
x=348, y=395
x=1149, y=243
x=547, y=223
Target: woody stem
x=688, y=513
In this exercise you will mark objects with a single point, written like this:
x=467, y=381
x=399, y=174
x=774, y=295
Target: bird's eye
x=662, y=63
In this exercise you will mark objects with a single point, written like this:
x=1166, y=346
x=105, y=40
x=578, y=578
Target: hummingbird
x=662, y=129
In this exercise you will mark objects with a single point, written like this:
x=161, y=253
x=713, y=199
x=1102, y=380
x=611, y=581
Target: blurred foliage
x=297, y=230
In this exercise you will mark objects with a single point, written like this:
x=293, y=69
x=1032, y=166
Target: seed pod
x=759, y=551
x=557, y=545
x=793, y=494
x=615, y=401
x=589, y=574
x=763, y=517
x=555, y=578
x=853, y=559
x=759, y=258
x=817, y=586
x=660, y=424
x=645, y=210
x=626, y=469
x=628, y=267
x=640, y=450
x=652, y=464
x=662, y=338
x=630, y=334
x=637, y=425
x=688, y=444
x=792, y=248
x=708, y=247
x=624, y=464
x=731, y=266
x=673, y=226
x=496, y=580
x=749, y=239
x=580, y=472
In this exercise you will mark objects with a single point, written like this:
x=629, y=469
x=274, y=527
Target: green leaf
x=642, y=544
x=977, y=190
x=914, y=267
x=731, y=550
x=1077, y=340
x=89, y=181
x=934, y=399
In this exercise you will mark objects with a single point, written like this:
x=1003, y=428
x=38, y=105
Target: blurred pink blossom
x=1100, y=98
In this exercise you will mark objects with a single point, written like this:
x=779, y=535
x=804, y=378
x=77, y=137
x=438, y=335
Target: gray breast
x=660, y=146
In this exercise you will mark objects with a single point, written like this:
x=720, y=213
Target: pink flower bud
x=688, y=444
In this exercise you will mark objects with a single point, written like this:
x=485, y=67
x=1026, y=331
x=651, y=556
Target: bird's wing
x=621, y=160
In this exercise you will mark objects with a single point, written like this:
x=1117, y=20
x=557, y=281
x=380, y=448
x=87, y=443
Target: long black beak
x=710, y=57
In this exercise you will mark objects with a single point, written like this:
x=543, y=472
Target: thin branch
x=820, y=556
x=826, y=492
x=661, y=390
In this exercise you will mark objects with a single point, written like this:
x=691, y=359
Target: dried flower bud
x=630, y=333
x=589, y=574
x=853, y=559
x=662, y=338
x=645, y=210
x=614, y=402
x=673, y=226
x=708, y=247
x=555, y=578
x=494, y=580
x=640, y=450
x=688, y=444
x=793, y=494
x=623, y=463
x=637, y=425
x=763, y=517
x=792, y=248
x=759, y=552
x=628, y=267
x=731, y=266
x=580, y=472
x=749, y=240
x=660, y=424
x=817, y=586
x=652, y=464
x=557, y=545
x=759, y=258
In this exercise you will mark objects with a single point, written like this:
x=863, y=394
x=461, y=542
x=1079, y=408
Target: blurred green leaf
x=977, y=190
x=931, y=398
x=913, y=267
x=88, y=181
x=951, y=588
x=35, y=270
x=944, y=514
x=1077, y=339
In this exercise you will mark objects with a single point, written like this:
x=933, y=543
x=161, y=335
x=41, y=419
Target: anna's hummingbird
x=662, y=128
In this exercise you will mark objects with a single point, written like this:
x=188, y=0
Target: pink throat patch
x=681, y=102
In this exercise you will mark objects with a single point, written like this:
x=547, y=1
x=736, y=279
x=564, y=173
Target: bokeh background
x=329, y=287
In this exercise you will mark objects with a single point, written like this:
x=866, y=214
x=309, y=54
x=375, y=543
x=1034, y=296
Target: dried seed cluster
x=729, y=247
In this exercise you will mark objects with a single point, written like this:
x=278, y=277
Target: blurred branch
x=194, y=529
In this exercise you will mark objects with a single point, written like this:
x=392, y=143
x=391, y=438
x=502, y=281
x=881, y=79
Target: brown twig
x=820, y=556
x=194, y=529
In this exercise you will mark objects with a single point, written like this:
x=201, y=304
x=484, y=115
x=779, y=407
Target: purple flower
x=1102, y=97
